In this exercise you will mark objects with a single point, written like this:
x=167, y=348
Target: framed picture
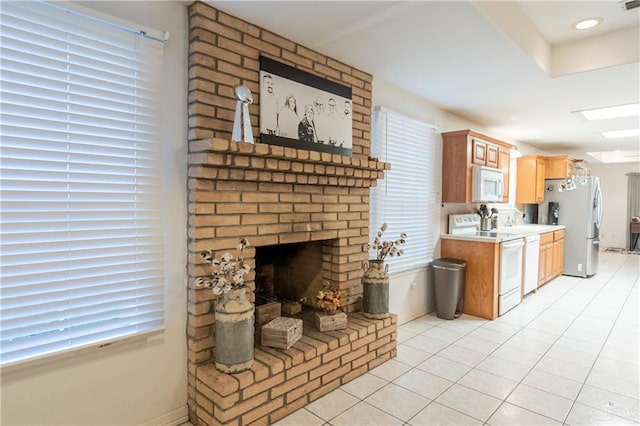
x=302, y=110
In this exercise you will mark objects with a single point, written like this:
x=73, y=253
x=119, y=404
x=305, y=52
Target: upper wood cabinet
x=504, y=164
x=461, y=150
x=530, y=179
x=560, y=167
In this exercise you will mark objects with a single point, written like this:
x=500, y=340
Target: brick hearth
x=273, y=195
x=283, y=381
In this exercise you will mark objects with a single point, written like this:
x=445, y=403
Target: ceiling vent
x=630, y=4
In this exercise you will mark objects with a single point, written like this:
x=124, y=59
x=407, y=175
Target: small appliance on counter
x=554, y=213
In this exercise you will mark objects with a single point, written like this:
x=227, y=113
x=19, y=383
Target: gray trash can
x=449, y=286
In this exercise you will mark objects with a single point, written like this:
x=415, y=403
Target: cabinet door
x=542, y=271
x=558, y=257
x=456, y=171
x=548, y=260
x=492, y=156
x=559, y=167
x=545, y=263
x=479, y=152
x=504, y=164
x=555, y=259
x=540, y=174
x=530, y=180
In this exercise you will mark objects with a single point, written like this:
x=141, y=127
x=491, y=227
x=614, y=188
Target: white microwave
x=487, y=184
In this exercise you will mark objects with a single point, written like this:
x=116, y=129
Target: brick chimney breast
x=273, y=195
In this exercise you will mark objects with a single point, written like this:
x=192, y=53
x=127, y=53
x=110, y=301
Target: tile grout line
x=550, y=346
x=536, y=363
x=555, y=341
x=522, y=327
x=475, y=366
x=604, y=343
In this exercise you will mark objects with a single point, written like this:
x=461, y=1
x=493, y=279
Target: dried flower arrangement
x=387, y=247
x=227, y=272
x=329, y=299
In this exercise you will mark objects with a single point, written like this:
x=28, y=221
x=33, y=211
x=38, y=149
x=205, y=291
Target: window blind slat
x=81, y=182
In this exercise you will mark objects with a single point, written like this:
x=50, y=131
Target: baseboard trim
x=172, y=418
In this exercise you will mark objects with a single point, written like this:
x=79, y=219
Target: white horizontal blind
x=81, y=242
x=406, y=198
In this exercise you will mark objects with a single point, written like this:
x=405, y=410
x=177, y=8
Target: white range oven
x=511, y=249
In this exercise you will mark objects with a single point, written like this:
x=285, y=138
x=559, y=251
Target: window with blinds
x=80, y=155
x=407, y=198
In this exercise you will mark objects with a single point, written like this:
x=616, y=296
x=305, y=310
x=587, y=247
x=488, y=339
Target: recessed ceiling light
x=611, y=112
x=585, y=24
x=621, y=133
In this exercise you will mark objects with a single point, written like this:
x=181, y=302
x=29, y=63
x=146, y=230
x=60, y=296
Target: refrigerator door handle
x=599, y=207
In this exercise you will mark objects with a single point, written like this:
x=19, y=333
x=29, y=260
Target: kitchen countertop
x=530, y=229
x=506, y=233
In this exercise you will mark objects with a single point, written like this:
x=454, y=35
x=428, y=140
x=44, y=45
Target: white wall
x=144, y=381
x=613, y=179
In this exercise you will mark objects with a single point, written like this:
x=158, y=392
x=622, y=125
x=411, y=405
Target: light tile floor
x=568, y=354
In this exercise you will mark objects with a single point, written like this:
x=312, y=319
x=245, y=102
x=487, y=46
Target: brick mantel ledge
x=227, y=160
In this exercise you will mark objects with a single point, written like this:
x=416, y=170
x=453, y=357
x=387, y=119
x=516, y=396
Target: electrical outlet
x=579, y=267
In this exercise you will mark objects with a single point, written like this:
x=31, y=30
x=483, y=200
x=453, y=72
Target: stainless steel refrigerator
x=580, y=211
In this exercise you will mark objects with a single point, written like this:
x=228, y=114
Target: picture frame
x=302, y=110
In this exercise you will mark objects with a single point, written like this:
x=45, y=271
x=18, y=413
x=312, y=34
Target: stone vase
x=234, y=332
x=375, y=290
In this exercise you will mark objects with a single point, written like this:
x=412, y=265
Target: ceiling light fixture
x=615, y=156
x=611, y=112
x=621, y=133
x=585, y=24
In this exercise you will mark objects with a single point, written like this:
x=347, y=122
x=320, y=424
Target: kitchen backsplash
x=506, y=213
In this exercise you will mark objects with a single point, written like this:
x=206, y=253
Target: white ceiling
x=517, y=68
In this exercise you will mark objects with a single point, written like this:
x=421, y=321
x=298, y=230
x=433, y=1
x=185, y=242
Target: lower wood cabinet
x=546, y=258
x=482, y=274
x=551, y=256
x=558, y=253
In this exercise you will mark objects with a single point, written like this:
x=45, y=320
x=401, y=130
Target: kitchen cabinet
x=558, y=253
x=463, y=149
x=551, y=256
x=559, y=167
x=481, y=277
x=545, y=263
x=504, y=164
x=530, y=178
x=484, y=153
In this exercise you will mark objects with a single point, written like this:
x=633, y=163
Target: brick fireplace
x=273, y=195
